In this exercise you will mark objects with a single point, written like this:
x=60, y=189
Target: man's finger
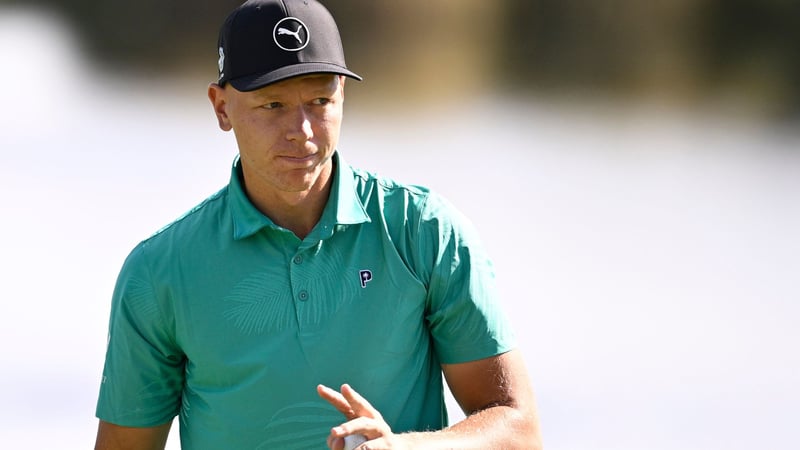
x=337, y=400
x=359, y=404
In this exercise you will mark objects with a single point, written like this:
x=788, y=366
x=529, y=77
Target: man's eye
x=322, y=101
x=272, y=105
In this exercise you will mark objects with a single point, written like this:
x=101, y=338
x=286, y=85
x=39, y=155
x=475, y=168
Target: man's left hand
x=362, y=418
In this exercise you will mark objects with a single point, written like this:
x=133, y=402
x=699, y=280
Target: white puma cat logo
x=296, y=34
x=291, y=26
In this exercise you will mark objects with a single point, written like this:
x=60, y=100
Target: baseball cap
x=264, y=41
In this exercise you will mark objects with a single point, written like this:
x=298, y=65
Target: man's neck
x=298, y=212
x=298, y=215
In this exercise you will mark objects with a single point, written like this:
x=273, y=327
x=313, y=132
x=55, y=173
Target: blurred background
x=634, y=168
x=733, y=54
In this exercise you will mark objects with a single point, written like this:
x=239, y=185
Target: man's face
x=286, y=131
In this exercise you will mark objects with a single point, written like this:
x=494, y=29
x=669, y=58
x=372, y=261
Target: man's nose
x=299, y=127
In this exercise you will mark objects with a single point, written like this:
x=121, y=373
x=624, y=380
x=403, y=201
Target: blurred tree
x=753, y=49
x=149, y=36
x=689, y=49
x=695, y=49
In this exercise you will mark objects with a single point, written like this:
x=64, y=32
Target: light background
x=648, y=256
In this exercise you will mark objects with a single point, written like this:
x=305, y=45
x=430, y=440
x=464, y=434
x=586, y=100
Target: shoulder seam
x=213, y=198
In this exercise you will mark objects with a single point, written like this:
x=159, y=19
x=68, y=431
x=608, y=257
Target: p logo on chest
x=365, y=277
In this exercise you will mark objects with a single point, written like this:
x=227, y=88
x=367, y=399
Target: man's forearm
x=498, y=427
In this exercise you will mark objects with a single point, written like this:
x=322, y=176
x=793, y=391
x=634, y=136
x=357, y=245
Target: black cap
x=264, y=41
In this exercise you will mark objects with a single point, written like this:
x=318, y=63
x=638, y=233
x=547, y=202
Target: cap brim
x=253, y=82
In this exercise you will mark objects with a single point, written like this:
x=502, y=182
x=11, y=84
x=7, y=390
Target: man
x=305, y=273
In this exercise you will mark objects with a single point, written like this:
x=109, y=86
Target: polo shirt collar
x=344, y=206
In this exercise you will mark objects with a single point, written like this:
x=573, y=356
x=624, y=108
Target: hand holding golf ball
x=364, y=422
x=351, y=441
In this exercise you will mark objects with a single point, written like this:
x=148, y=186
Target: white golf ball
x=353, y=440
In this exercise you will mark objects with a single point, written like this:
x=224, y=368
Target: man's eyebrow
x=264, y=94
x=278, y=95
x=325, y=91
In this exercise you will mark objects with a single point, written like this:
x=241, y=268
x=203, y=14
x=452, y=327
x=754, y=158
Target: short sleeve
x=144, y=368
x=464, y=314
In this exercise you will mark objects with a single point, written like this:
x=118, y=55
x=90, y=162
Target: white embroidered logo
x=221, y=62
x=296, y=34
x=291, y=34
x=366, y=277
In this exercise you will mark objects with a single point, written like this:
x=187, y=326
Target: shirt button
x=298, y=259
x=302, y=296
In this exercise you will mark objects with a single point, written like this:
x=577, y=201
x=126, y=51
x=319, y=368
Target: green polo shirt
x=231, y=321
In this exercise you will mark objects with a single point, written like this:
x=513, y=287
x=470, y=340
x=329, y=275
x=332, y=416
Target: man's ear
x=216, y=94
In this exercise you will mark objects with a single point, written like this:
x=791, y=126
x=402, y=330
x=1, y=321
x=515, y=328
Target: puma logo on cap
x=282, y=31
